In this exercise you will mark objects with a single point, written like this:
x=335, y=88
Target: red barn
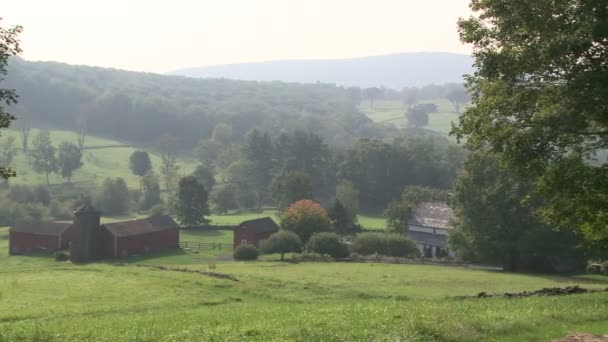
x=26, y=238
x=147, y=235
x=253, y=231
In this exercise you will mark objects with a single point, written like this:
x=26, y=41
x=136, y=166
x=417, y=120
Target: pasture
x=102, y=158
x=44, y=300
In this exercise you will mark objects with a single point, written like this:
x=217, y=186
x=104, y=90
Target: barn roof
x=432, y=214
x=428, y=238
x=41, y=228
x=260, y=225
x=141, y=226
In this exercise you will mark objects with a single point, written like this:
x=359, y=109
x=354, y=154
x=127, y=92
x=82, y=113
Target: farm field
x=102, y=158
x=44, y=300
x=393, y=112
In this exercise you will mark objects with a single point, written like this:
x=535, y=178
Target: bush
x=246, y=252
x=60, y=211
x=328, y=244
x=62, y=256
x=282, y=242
x=393, y=245
x=158, y=210
x=314, y=257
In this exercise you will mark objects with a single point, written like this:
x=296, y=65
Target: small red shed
x=26, y=238
x=153, y=234
x=253, y=231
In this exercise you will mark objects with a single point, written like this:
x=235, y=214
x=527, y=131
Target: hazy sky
x=161, y=36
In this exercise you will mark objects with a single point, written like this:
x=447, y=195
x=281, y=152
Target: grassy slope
x=98, y=163
x=394, y=111
x=47, y=300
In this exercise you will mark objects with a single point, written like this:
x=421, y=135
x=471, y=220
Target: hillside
x=142, y=107
x=392, y=71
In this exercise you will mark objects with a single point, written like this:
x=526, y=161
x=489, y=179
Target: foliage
x=224, y=198
x=9, y=46
x=43, y=155
x=458, y=96
x=395, y=245
x=327, y=244
x=113, y=198
x=398, y=213
x=281, y=242
x=190, y=204
x=139, y=163
x=495, y=221
x=292, y=187
x=151, y=191
x=541, y=106
x=68, y=159
x=167, y=145
x=7, y=151
x=205, y=176
x=348, y=195
x=305, y=217
x=62, y=256
x=246, y=253
x=417, y=117
x=340, y=219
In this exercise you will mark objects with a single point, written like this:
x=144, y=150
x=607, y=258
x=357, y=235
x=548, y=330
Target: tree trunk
x=47, y=179
x=282, y=256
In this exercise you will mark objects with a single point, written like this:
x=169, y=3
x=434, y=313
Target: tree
x=113, y=198
x=340, y=219
x=305, y=218
x=190, y=203
x=292, y=187
x=417, y=117
x=410, y=97
x=327, y=244
x=372, y=94
x=81, y=128
x=222, y=134
x=151, y=190
x=140, y=163
x=68, y=159
x=281, y=242
x=44, y=160
x=458, y=96
x=168, y=159
x=495, y=221
x=224, y=198
x=7, y=150
x=539, y=99
x=258, y=151
x=348, y=195
x=205, y=176
x=398, y=213
x=9, y=46
x=397, y=216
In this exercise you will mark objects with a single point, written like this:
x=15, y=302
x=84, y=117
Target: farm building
x=429, y=226
x=253, y=231
x=89, y=240
x=27, y=238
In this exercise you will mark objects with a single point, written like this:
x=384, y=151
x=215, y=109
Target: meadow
x=44, y=300
x=393, y=112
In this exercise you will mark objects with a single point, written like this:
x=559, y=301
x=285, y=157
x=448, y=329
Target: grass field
x=44, y=300
x=393, y=112
x=99, y=163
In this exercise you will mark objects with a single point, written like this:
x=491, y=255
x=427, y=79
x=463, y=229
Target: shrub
x=282, y=242
x=62, y=256
x=158, y=210
x=246, y=252
x=328, y=244
x=393, y=245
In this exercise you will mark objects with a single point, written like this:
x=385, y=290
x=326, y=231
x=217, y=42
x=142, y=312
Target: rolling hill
x=392, y=71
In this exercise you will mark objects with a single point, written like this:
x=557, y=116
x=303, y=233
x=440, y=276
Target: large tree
x=43, y=154
x=540, y=100
x=9, y=46
x=494, y=225
x=305, y=218
x=291, y=187
x=68, y=159
x=167, y=145
x=190, y=204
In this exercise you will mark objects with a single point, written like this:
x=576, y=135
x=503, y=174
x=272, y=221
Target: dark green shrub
x=62, y=256
x=246, y=252
x=394, y=245
x=327, y=244
x=282, y=242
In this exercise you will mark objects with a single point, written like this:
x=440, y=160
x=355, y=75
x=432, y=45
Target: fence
x=204, y=245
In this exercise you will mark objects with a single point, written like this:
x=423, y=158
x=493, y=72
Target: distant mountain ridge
x=393, y=71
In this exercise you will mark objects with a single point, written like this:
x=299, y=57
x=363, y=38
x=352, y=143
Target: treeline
x=141, y=107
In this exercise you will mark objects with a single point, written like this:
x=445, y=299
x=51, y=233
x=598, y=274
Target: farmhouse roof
x=141, y=226
x=428, y=238
x=260, y=225
x=42, y=228
x=432, y=214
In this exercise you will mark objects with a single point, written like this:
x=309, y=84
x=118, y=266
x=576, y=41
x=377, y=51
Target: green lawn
x=393, y=112
x=99, y=163
x=367, y=221
x=44, y=300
